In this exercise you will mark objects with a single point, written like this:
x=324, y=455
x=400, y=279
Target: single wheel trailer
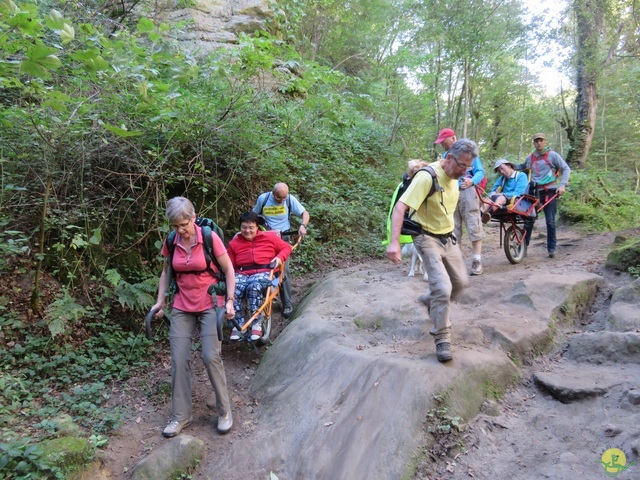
x=513, y=220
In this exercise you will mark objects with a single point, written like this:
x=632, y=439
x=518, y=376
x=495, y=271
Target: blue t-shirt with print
x=277, y=214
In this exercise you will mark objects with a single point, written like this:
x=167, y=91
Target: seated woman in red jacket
x=253, y=254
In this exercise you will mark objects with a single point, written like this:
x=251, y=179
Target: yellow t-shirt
x=436, y=214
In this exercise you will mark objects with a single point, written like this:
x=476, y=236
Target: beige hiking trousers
x=448, y=277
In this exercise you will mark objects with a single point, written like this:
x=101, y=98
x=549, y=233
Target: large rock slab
x=524, y=318
x=605, y=347
x=624, y=315
x=346, y=390
x=568, y=383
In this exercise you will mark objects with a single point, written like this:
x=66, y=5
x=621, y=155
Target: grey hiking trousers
x=183, y=328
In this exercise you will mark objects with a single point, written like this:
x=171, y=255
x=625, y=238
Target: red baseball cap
x=444, y=134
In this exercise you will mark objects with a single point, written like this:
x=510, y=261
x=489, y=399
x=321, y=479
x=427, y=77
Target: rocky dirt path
x=528, y=434
x=572, y=409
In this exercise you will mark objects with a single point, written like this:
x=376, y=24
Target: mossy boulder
x=624, y=254
x=172, y=460
x=65, y=426
x=69, y=452
x=623, y=312
x=579, y=298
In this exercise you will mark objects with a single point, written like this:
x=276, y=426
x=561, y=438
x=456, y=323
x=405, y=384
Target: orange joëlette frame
x=272, y=291
x=535, y=203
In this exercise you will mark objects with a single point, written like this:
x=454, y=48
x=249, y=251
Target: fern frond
x=137, y=296
x=62, y=312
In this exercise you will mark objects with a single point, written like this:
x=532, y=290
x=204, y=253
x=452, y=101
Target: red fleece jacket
x=264, y=248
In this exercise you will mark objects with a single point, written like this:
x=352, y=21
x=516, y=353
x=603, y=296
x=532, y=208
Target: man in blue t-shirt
x=276, y=207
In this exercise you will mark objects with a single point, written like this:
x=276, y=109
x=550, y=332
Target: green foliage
x=166, y=124
x=137, y=297
x=599, y=201
x=40, y=378
x=443, y=423
x=11, y=322
x=22, y=459
x=63, y=313
x=440, y=421
x=97, y=441
x=12, y=244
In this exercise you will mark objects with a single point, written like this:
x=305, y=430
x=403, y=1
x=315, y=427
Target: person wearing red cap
x=446, y=134
x=468, y=208
x=550, y=173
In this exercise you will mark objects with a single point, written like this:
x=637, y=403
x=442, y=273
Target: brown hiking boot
x=443, y=352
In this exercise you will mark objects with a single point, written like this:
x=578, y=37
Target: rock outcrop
x=356, y=372
x=211, y=24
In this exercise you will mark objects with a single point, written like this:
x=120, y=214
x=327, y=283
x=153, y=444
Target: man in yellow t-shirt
x=446, y=269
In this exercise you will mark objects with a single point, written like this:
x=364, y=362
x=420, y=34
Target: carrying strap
x=435, y=186
x=545, y=158
x=266, y=199
x=209, y=256
x=504, y=179
x=254, y=267
x=444, y=238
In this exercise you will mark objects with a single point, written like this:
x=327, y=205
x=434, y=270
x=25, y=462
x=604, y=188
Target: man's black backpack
x=409, y=226
x=207, y=225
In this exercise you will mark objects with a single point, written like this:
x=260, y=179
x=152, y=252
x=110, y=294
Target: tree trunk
x=589, y=21
x=36, y=301
x=587, y=109
x=436, y=86
x=466, y=98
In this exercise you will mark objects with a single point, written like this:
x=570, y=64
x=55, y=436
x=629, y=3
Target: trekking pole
x=147, y=322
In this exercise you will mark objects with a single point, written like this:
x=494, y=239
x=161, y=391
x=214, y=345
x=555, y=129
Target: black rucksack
x=409, y=226
x=208, y=226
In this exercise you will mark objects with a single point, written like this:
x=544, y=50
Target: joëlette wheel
x=266, y=330
x=514, y=244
